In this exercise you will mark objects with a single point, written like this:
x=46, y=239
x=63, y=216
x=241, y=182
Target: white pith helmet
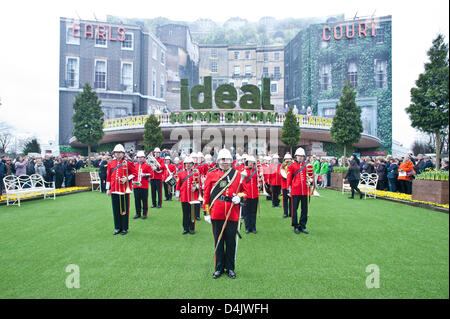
x=287, y=156
x=188, y=159
x=140, y=154
x=300, y=152
x=157, y=149
x=224, y=154
x=119, y=148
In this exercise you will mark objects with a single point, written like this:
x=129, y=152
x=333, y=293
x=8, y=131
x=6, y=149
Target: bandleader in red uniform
x=140, y=185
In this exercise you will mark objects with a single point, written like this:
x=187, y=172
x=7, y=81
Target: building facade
x=124, y=64
x=322, y=57
x=244, y=64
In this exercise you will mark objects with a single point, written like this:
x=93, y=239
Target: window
x=214, y=66
x=274, y=88
x=100, y=74
x=247, y=55
x=154, y=52
x=232, y=84
x=276, y=56
x=153, y=82
x=380, y=74
x=329, y=112
x=100, y=38
x=70, y=39
x=276, y=71
x=236, y=55
x=213, y=53
x=237, y=70
x=265, y=56
x=127, y=76
x=72, y=72
x=352, y=74
x=325, y=77
x=248, y=70
x=265, y=72
x=163, y=58
x=379, y=35
x=161, y=86
x=127, y=44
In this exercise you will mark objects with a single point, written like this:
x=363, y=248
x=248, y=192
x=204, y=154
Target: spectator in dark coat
x=381, y=170
x=368, y=166
x=69, y=169
x=48, y=163
x=427, y=164
x=59, y=173
x=2, y=173
x=392, y=174
x=420, y=163
x=353, y=176
x=102, y=173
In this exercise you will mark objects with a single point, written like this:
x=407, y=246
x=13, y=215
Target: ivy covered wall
x=364, y=51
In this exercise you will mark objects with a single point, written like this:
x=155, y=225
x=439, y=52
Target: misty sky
x=29, y=53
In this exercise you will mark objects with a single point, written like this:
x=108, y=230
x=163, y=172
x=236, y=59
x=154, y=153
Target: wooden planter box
x=82, y=179
x=336, y=180
x=430, y=191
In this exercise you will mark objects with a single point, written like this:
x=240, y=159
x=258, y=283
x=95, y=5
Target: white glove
x=236, y=199
x=177, y=194
x=208, y=218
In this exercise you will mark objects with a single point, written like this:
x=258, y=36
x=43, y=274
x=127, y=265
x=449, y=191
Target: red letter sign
x=90, y=31
x=111, y=39
x=324, y=38
x=362, y=30
x=101, y=33
x=373, y=27
x=121, y=32
x=353, y=31
x=342, y=32
x=75, y=28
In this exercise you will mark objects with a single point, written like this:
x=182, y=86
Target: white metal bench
x=95, y=181
x=368, y=185
x=25, y=186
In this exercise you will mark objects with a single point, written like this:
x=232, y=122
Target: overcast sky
x=29, y=53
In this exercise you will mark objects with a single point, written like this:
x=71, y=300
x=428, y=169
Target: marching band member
x=222, y=197
x=250, y=187
x=275, y=180
x=239, y=164
x=266, y=172
x=180, y=165
x=297, y=181
x=119, y=173
x=140, y=185
x=156, y=180
x=171, y=170
x=187, y=191
x=287, y=212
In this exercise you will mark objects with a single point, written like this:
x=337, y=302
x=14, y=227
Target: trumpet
x=196, y=181
x=127, y=190
x=261, y=180
x=138, y=183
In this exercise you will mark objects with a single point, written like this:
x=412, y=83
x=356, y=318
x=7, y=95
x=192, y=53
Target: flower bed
x=59, y=191
x=408, y=198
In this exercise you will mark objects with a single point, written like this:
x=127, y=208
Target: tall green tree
x=290, y=133
x=347, y=125
x=87, y=118
x=428, y=110
x=31, y=146
x=153, y=136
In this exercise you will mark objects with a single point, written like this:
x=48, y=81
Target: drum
x=170, y=180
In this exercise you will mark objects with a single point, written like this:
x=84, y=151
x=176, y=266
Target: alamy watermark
x=73, y=279
x=373, y=279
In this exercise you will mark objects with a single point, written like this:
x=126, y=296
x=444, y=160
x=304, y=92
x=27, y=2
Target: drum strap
x=251, y=175
x=300, y=169
x=184, y=179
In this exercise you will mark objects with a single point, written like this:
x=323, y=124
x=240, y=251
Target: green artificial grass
x=41, y=238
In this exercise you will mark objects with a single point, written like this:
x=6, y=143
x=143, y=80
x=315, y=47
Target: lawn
x=409, y=245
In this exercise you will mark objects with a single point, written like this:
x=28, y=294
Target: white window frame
x=162, y=86
x=132, y=75
x=377, y=29
x=153, y=89
x=236, y=55
x=216, y=69
x=163, y=58
x=95, y=38
x=273, y=83
x=322, y=67
x=106, y=73
x=132, y=42
x=248, y=55
x=276, y=56
x=154, y=51
x=384, y=74
x=238, y=68
x=76, y=41
x=248, y=66
x=77, y=78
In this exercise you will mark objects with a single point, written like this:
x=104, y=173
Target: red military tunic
x=115, y=171
x=159, y=175
x=172, y=169
x=240, y=167
x=144, y=169
x=266, y=173
x=220, y=208
x=275, y=177
x=251, y=187
x=298, y=183
x=188, y=192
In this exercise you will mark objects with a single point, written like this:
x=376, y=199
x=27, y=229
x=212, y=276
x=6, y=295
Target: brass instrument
x=261, y=180
x=127, y=190
x=283, y=169
x=153, y=162
x=138, y=182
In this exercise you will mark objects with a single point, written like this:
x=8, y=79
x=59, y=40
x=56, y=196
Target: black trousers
x=269, y=191
x=226, y=251
x=287, y=209
x=354, y=186
x=141, y=201
x=405, y=186
x=59, y=178
x=167, y=191
x=103, y=183
x=276, y=190
x=250, y=211
x=156, y=190
x=296, y=200
x=120, y=204
x=188, y=219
